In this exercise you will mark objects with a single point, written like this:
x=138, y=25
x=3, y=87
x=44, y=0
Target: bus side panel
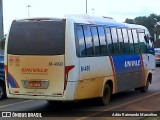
x=93, y=71
x=128, y=69
x=86, y=84
x=92, y=88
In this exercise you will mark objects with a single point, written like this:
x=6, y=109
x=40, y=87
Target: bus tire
x=2, y=90
x=104, y=100
x=145, y=88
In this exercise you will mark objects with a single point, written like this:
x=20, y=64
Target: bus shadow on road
x=84, y=107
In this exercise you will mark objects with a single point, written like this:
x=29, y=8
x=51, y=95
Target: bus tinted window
x=121, y=43
x=37, y=38
x=115, y=42
x=109, y=40
x=131, y=44
x=88, y=40
x=95, y=40
x=142, y=42
x=80, y=36
x=103, y=44
x=136, y=44
x=125, y=38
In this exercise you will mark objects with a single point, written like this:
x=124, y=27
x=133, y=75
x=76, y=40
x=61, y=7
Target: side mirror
x=151, y=51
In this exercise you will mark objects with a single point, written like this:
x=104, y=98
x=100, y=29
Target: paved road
x=126, y=101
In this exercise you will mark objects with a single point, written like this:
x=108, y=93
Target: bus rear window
x=37, y=38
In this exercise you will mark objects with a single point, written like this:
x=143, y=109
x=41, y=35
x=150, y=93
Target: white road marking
x=16, y=103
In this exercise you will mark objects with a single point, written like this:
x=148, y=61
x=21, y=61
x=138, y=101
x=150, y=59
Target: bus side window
x=121, y=43
x=109, y=41
x=142, y=42
x=131, y=43
x=82, y=48
x=88, y=40
x=95, y=40
x=115, y=41
x=136, y=43
x=103, y=45
x=126, y=44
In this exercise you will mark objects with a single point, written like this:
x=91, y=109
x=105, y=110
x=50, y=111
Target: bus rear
x=34, y=62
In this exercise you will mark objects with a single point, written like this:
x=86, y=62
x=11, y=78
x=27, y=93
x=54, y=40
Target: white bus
x=76, y=57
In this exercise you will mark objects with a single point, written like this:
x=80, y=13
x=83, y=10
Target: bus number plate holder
x=34, y=84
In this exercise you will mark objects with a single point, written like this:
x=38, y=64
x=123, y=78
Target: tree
x=130, y=21
x=148, y=21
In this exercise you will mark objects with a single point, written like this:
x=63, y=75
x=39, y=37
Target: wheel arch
x=111, y=85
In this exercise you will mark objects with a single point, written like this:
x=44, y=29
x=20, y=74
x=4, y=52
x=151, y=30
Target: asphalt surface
x=129, y=101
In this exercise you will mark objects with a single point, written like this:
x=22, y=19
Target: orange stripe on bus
x=114, y=74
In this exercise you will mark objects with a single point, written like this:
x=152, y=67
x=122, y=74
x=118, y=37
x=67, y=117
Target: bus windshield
x=37, y=38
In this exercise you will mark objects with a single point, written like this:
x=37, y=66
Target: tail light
x=67, y=69
x=6, y=75
x=158, y=56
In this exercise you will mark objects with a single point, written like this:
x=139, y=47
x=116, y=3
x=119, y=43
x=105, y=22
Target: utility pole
x=86, y=6
x=28, y=6
x=93, y=11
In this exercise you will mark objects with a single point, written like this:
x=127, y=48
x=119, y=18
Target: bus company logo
x=34, y=70
x=133, y=63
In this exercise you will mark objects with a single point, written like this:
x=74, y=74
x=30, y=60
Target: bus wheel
x=104, y=100
x=145, y=88
x=2, y=91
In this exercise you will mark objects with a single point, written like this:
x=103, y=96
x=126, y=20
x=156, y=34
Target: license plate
x=35, y=84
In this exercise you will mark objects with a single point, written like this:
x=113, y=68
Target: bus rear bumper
x=38, y=97
x=67, y=96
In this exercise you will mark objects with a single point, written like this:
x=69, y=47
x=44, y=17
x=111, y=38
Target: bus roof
x=135, y=26
x=108, y=21
x=87, y=19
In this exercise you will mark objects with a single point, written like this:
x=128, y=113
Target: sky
x=117, y=9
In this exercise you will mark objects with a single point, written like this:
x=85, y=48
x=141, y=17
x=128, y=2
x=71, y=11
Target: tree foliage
x=149, y=22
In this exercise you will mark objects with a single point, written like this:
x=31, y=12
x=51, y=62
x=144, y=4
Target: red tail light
x=158, y=56
x=6, y=75
x=67, y=69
